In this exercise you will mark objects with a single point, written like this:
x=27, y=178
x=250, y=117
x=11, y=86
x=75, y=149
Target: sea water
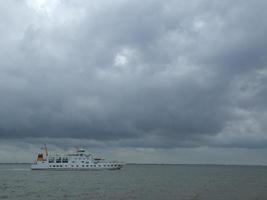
x=185, y=182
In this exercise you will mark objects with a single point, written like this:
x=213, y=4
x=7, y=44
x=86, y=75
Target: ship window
x=51, y=160
x=99, y=165
x=94, y=165
x=65, y=160
x=72, y=166
x=82, y=161
x=66, y=165
x=73, y=161
x=104, y=165
x=60, y=165
x=58, y=160
x=87, y=162
x=77, y=165
x=86, y=165
x=54, y=165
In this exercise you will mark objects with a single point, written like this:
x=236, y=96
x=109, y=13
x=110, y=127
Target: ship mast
x=46, y=151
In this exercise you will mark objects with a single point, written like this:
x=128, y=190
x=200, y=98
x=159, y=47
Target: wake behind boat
x=76, y=161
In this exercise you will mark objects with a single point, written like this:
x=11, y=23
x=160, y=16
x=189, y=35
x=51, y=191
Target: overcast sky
x=175, y=81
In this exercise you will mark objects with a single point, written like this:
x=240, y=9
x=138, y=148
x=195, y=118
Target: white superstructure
x=76, y=161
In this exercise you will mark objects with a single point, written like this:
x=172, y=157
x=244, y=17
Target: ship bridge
x=80, y=150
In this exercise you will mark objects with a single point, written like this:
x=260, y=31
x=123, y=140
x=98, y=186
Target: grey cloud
x=187, y=67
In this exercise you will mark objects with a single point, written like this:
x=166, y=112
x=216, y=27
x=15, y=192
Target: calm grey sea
x=189, y=182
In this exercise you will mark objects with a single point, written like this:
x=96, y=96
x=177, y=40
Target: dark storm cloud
x=151, y=73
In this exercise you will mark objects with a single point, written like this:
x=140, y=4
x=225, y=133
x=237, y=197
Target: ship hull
x=67, y=168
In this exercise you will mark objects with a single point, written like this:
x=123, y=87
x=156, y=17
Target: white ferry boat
x=76, y=161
